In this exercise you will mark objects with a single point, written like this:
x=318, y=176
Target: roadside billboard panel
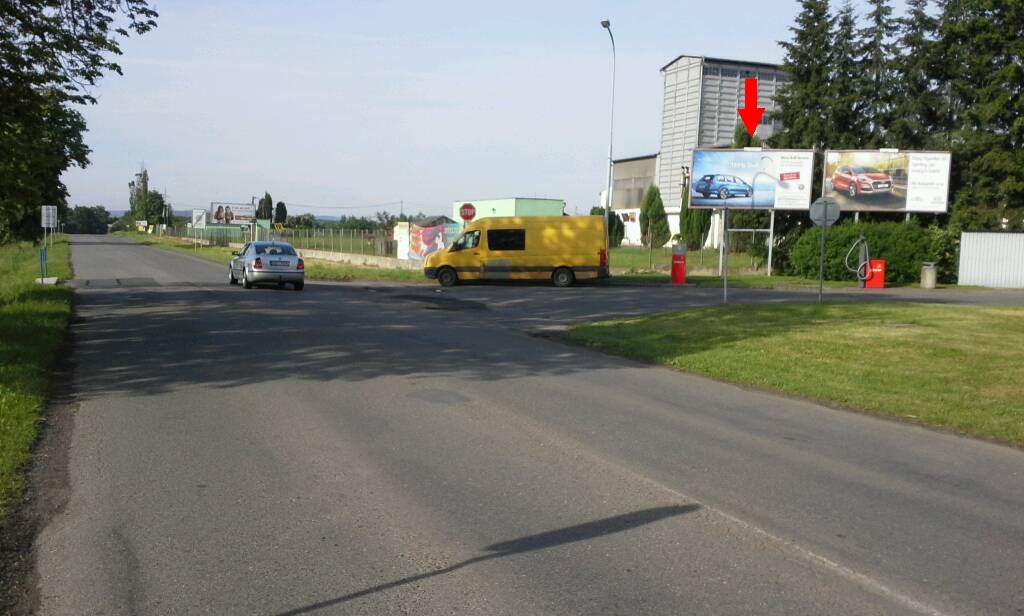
x=749, y=179
x=232, y=213
x=887, y=181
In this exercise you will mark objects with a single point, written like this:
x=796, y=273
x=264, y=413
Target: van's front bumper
x=430, y=272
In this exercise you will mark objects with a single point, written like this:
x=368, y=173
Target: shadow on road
x=554, y=538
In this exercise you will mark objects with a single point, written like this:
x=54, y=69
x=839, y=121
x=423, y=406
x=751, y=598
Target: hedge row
x=904, y=247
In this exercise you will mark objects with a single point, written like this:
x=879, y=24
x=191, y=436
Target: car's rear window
x=274, y=249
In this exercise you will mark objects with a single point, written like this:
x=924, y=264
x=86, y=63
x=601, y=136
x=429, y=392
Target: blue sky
x=358, y=104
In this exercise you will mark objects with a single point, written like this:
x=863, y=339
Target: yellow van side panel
x=551, y=242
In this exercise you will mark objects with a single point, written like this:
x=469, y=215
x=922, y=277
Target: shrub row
x=904, y=247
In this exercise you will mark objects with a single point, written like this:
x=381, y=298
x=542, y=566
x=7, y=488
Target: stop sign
x=467, y=211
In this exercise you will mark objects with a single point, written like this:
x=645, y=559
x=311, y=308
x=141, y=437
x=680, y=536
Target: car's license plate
x=279, y=263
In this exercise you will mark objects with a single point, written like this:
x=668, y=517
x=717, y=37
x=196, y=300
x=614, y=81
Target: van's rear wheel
x=447, y=277
x=563, y=277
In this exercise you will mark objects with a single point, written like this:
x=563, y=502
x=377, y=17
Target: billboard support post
x=821, y=262
x=771, y=242
x=725, y=250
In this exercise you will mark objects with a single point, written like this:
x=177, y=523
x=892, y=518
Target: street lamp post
x=607, y=25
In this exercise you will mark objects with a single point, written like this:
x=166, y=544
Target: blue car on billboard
x=723, y=186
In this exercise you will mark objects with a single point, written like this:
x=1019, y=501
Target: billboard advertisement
x=752, y=179
x=232, y=213
x=887, y=181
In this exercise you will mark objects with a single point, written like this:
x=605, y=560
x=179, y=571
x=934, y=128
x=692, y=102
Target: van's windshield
x=466, y=240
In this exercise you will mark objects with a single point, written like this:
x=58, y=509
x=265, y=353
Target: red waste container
x=876, y=274
x=678, y=263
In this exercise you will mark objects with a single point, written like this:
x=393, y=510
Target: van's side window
x=506, y=239
x=468, y=240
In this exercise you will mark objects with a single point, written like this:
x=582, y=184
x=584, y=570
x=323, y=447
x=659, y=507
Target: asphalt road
x=384, y=449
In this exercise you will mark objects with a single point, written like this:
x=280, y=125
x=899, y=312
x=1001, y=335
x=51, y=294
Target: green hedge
x=903, y=246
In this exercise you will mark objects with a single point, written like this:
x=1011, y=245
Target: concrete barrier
x=354, y=259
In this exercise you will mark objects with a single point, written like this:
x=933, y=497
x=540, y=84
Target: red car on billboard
x=857, y=180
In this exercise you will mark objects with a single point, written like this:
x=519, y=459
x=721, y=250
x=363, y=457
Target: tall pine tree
x=846, y=106
x=979, y=48
x=875, y=63
x=916, y=99
x=801, y=104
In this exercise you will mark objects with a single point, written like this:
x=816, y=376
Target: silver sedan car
x=267, y=263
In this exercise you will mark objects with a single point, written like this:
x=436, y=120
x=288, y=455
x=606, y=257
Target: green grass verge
x=959, y=368
x=33, y=322
x=738, y=281
x=315, y=269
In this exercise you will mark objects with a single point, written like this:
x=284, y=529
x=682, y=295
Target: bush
x=903, y=246
x=945, y=251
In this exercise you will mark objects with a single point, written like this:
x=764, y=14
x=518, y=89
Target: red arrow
x=750, y=112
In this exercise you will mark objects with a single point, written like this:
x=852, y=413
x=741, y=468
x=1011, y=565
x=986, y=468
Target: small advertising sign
x=232, y=213
x=887, y=181
x=752, y=179
x=198, y=219
x=49, y=217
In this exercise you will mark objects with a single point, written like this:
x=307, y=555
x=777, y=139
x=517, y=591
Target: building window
x=506, y=239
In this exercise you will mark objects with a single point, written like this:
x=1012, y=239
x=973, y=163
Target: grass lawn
x=33, y=321
x=315, y=269
x=639, y=257
x=959, y=368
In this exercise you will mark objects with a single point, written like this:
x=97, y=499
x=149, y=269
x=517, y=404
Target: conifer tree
x=801, y=105
x=844, y=94
x=916, y=99
x=654, y=227
x=280, y=213
x=979, y=48
x=875, y=62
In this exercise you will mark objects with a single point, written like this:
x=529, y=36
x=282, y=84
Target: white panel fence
x=992, y=260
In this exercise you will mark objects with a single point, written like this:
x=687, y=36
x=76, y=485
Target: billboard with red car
x=887, y=180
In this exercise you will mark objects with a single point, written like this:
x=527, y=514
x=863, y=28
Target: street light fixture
x=607, y=25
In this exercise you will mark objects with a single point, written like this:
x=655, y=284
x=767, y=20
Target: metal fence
x=352, y=241
x=992, y=260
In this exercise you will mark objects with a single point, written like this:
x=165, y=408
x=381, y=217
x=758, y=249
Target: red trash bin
x=678, y=263
x=876, y=274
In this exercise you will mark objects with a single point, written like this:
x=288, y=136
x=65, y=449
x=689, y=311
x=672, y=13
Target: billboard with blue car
x=749, y=179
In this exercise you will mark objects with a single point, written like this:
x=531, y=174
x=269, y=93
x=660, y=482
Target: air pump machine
x=863, y=269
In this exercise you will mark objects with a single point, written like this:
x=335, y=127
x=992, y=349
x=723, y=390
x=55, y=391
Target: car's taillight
x=604, y=257
x=257, y=264
x=301, y=265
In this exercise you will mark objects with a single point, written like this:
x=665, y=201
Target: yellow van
x=557, y=248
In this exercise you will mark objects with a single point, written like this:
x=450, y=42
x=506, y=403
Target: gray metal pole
x=771, y=242
x=821, y=262
x=611, y=133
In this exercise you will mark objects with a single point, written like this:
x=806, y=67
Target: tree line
x=946, y=75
